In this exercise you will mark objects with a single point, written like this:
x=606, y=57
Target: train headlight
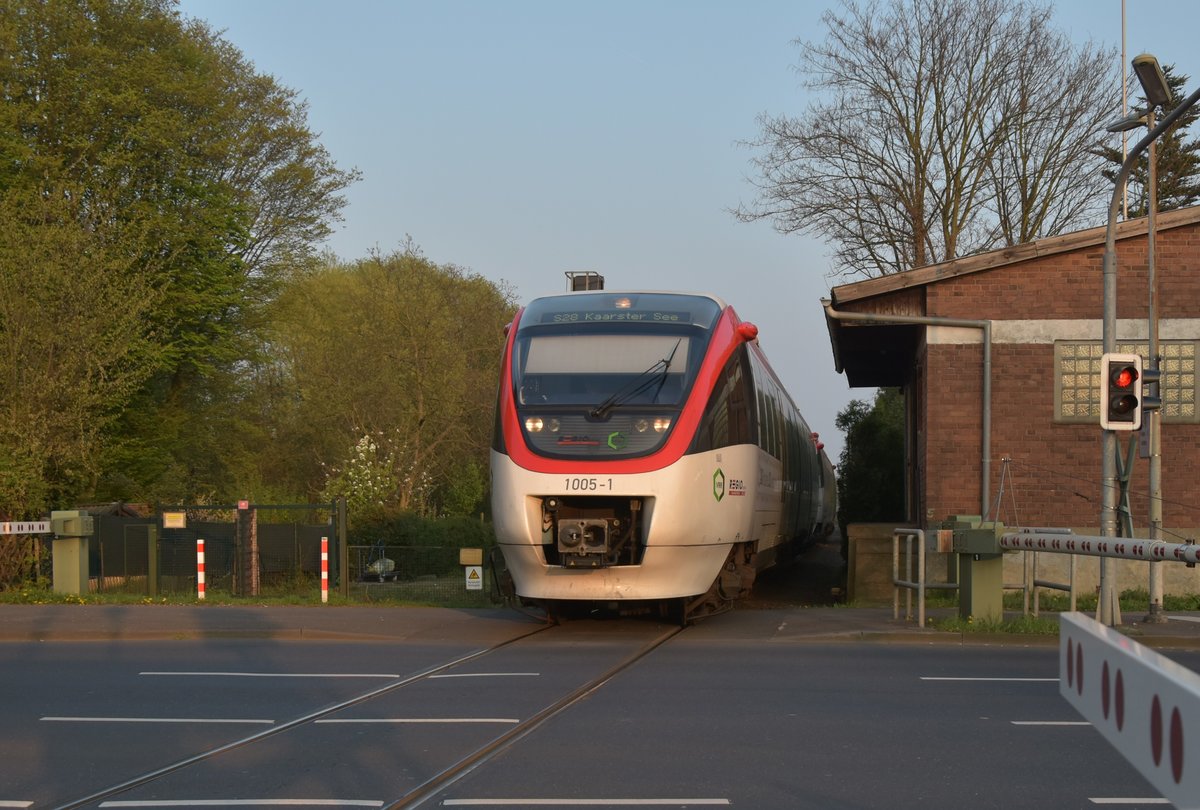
x=641, y=426
x=534, y=424
x=661, y=424
x=553, y=425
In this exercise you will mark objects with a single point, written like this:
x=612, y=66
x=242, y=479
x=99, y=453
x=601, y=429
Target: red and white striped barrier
x=1146, y=705
x=324, y=569
x=1120, y=547
x=199, y=569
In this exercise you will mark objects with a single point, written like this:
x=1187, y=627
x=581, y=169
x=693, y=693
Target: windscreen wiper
x=657, y=373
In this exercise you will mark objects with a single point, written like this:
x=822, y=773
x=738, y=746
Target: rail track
x=448, y=773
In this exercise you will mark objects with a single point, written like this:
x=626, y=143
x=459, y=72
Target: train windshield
x=605, y=374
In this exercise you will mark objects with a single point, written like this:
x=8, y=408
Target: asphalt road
x=717, y=716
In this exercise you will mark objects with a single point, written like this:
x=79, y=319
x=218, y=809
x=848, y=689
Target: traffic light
x=1120, y=391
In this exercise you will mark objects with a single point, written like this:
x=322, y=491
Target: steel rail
x=420, y=794
x=158, y=773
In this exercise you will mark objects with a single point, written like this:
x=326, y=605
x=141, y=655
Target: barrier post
x=324, y=569
x=200, y=569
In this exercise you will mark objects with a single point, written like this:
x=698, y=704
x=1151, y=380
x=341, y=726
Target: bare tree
x=940, y=128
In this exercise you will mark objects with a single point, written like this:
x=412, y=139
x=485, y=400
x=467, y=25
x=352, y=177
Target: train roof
x=570, y=294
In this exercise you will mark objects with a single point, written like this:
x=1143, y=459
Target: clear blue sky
x=522, y=139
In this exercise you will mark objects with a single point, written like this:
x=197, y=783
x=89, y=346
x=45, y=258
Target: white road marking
x=486, y=675
x=1008, y=680
x=1050, y=723
x=245, y=803
x=1128, y=801
x=507, y=720
x=154, y=720
x=584, y=802
x=390, y=675
x=4, y=803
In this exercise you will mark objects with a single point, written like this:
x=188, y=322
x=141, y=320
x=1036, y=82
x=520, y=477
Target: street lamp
x=1153, y=80
x=1132, y=121
x=1157, y=93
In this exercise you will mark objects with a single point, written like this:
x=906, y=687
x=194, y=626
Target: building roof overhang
x=878, y=349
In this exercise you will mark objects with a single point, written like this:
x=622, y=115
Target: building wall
x=1053, y=478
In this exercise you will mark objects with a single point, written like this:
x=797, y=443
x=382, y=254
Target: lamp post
x=1157, y=93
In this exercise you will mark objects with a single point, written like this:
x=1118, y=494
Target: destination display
x=618, y=315
x=669, y=309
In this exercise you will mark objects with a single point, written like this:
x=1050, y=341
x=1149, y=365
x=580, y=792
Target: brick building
x=1027, y=428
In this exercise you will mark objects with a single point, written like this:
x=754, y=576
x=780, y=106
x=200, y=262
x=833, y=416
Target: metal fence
x=136, y=556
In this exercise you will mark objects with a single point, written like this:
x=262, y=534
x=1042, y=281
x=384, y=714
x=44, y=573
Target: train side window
x=763, y=419
x=728, y=417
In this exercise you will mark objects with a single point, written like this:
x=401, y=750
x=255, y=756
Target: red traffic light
x=1124, y=376
x=1121, y=391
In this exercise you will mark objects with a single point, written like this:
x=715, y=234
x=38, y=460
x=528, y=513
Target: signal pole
x=1108, y=608
x=1154, y=423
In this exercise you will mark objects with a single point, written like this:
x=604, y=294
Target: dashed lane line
x=585, y=802
x=390, y=675
x=504, y=720
x=990, y=680
x=246, y=803
x=156, y=720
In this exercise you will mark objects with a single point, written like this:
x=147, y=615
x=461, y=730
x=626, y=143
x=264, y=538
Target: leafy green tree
x=871, y=467
x=190, y=169
x=1177, y=158
x=76, y=341
x=392, y=364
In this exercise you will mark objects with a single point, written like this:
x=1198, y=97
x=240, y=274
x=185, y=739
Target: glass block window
x=1077, y=368
x=1077, y=383
x=1178, y=387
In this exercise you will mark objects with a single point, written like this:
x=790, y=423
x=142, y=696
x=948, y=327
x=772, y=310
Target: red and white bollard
x=199, y=569
x=324, y=569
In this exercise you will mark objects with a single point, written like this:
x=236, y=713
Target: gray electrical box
x=71, y=523
x=980, y=540
x=71, y=529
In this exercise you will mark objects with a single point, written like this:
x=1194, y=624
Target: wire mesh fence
x=138, y=557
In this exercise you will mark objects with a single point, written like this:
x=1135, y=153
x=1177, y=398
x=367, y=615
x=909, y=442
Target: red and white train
x=644, y=451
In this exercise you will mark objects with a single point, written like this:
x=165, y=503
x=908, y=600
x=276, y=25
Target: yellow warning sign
x=474, y=577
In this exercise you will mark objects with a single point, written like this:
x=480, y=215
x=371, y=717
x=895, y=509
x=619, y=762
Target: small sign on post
x=474, y=577
x=471, y=559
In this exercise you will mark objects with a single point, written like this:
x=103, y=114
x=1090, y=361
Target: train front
x=599, y=490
